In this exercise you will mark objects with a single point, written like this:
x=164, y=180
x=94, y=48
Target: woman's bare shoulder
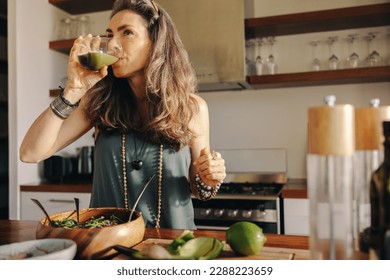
x=202, y=105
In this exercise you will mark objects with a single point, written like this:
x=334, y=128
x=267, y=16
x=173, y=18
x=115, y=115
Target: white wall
x=33, y=71
x=248, y=119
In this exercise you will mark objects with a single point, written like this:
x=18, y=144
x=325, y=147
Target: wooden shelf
x=328, y=77
x=54, y=92
x=82, y=6
x=319, y=21
x=62, y=46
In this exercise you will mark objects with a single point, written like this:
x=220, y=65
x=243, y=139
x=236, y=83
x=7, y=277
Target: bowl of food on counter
x=95, y=230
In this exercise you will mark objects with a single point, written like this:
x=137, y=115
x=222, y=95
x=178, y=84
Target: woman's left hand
x=211, y=167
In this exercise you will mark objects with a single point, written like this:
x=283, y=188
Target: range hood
x=213, y=34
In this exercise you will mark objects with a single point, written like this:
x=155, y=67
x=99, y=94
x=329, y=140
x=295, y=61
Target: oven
x=253, y=197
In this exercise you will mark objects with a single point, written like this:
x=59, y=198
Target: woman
x=146, y=117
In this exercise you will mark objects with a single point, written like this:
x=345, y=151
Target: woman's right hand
x=81, y=79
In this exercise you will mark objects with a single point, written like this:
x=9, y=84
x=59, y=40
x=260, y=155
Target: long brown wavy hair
x=170, y=80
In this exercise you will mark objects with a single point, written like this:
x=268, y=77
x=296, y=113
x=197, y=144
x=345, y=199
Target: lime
x=245, y=238
x=96, y=60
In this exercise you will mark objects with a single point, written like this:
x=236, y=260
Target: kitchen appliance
x=58, y=168
x=213, y=34
x=254, y=197
x=85, y=162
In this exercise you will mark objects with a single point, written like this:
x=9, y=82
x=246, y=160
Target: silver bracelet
x=61, y=107
x=205, y=191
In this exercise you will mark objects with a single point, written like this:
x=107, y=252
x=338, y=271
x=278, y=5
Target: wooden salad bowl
x=96, y=243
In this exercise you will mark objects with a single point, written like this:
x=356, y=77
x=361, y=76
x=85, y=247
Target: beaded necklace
x=159, y=190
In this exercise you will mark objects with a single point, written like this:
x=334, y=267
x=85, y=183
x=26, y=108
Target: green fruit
x=245, y=238
x=202, y=248
x=179, y=241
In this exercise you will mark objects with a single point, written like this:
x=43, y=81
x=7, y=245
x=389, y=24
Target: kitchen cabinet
x=296, y=216
x=319, y=21
x=54, y=197
x=53, y=202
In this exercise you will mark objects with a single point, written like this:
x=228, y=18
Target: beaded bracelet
x=61, y=107
x=205, y=192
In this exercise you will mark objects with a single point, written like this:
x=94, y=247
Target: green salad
x=91, y=223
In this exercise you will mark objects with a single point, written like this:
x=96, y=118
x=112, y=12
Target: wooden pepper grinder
x=331, y=146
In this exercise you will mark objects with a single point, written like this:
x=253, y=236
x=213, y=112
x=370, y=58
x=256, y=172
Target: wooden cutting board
x=267, y=253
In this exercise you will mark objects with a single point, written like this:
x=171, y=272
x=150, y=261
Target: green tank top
x=176, y=205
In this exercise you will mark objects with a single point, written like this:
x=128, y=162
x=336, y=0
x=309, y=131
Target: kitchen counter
x=15, y=231
x=295, y=188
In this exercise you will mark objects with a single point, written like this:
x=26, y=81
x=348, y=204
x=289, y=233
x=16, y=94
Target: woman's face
x=130, y=30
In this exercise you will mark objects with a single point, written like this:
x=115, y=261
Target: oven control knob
x=247, y=213
x=218, y=212
x=232, y=213
x=205, y=212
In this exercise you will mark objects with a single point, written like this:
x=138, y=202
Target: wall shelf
x=62, y=46
x=82, y=6
x=319, y=21
x=328, y=77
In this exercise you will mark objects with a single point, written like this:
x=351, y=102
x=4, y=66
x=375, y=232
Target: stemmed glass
x=272, y=66
x=353, y=60
x=316, y=63
x=250, y=56
x=333, y=61
x=373, y=58
x=259, y=63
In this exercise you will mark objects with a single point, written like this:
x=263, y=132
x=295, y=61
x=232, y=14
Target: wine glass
x=96, y=52
x=333, y=61
x=272, y=66
x=353, y=60
x=373, y=57
x=250, y=56
x=259, y=63
x=316, y=63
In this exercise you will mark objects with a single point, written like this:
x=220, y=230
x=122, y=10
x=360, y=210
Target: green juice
x=96, y=60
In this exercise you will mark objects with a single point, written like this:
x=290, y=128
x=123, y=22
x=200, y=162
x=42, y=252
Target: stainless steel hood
x=214, y=37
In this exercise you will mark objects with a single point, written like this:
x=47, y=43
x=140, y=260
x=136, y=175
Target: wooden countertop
x=82, y=187
x=16, y=231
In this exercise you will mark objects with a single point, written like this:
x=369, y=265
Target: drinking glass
x=316, y=63
x=259, y=63
x=373, y=57
x=272, y=66
x=353, y=60
x=250, y=57
x=96, y=52
x=333, y=61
